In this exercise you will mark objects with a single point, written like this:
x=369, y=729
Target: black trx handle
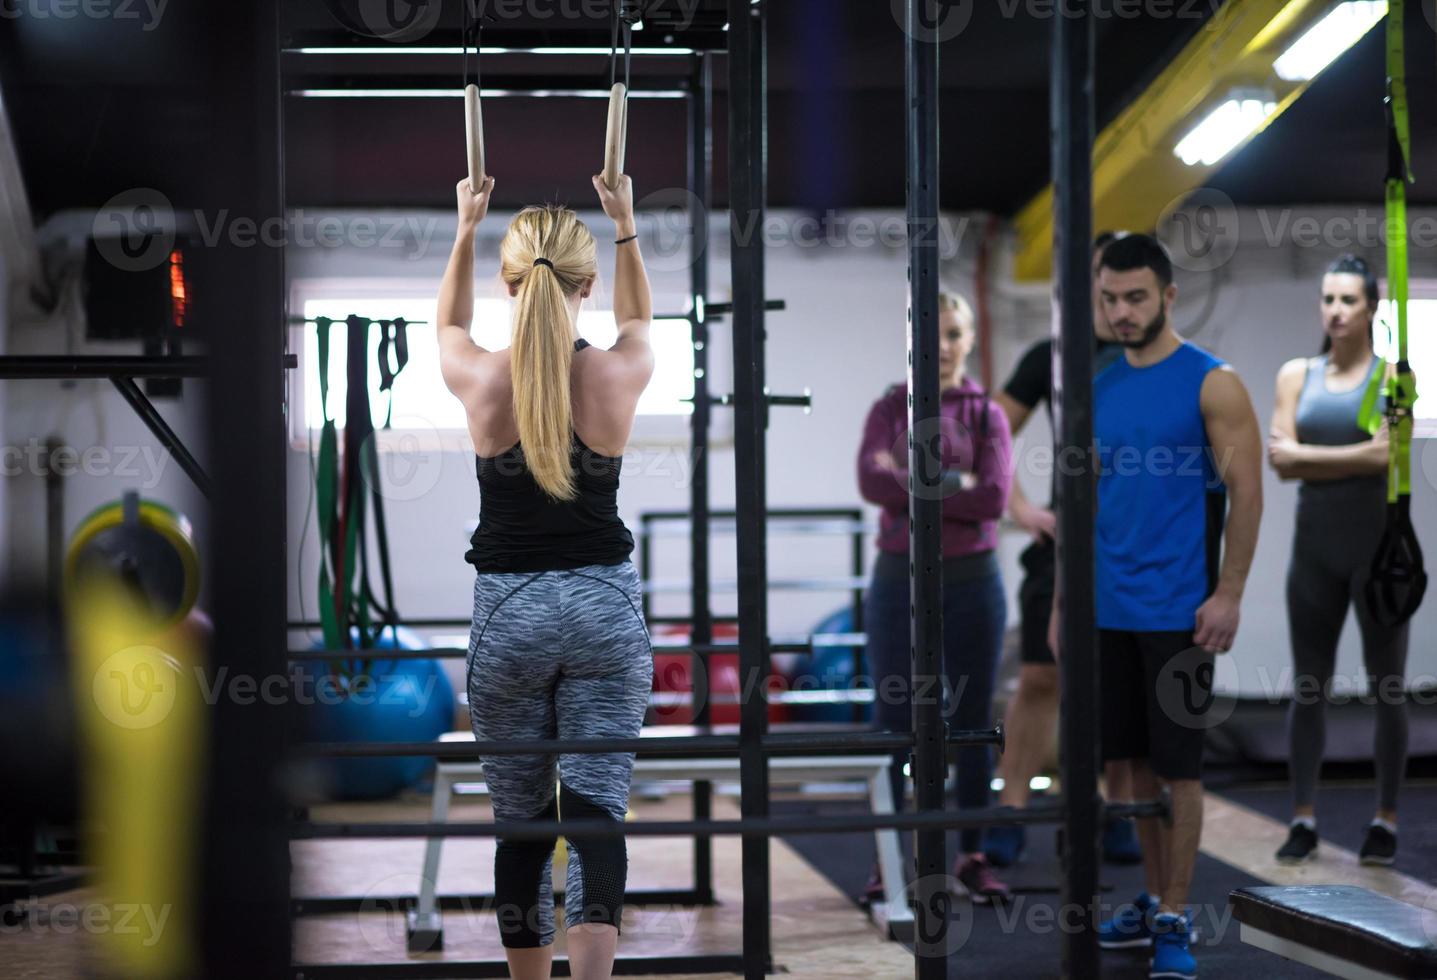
x=1397, y=580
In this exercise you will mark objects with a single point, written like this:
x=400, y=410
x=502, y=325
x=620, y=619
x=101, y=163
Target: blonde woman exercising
x=558, y=648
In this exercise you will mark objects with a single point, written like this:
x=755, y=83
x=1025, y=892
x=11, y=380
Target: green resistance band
x=1398, y=580
x=1401, y=389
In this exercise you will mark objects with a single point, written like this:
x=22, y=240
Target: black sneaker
x=1301, y=845
x=1379, y=846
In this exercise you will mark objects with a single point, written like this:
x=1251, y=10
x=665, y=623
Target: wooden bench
x=426, y=927
x=1340, y=929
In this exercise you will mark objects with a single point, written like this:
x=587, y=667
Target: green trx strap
x=327, y=494
x=1398, y=580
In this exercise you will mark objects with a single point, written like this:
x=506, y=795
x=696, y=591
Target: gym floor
x=818, y=929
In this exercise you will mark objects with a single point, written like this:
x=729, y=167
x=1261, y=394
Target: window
x=420, y=400
x=1421, y=348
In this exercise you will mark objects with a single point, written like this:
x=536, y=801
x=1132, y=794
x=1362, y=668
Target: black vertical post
x=857, y=619
x=1072, y=136
x=747, y=125
x=244, y=856
x=700, y=117
x=646, y=559
x=54, y=521
x=925, y=502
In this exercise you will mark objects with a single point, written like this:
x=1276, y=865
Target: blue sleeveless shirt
x=1160, y=499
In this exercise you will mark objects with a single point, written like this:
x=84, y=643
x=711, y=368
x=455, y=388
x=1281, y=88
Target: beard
x=1149, y=333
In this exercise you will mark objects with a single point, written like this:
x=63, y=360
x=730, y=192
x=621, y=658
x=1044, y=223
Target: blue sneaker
x=1131, y=925
x=1172, y=960
x=1004, y=844
x=1120, y=842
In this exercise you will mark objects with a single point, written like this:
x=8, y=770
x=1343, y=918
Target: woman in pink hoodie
x=976, y=452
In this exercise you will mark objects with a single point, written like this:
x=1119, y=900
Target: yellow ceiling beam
x=1136, y=175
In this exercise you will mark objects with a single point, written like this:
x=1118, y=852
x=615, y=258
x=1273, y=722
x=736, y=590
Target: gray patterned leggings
x=562, y=654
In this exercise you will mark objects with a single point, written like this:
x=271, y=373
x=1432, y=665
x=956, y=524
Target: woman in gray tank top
x=1341, y=507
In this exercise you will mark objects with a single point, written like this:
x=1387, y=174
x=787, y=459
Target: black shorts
x=1156, y=696
x=1035, y=601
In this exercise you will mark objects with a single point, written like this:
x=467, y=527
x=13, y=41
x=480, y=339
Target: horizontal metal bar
x=665, y=620
x=751, y=827
x=420, y=623
x=50, y=366
x=698, y=36
x=1160, y=807
x=841, y=695
x=330, y=904
x=447, y=969
x=661, y=746
x=777, y=529
x=719, y=309
x=382, y=88
x=805, y=401
x=775, y=514
x=299, y=321
x=834, y=584
x=455, y=52
x=816, y=641
x=349, y=656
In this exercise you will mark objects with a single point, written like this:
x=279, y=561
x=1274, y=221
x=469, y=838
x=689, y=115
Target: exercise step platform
x=1343, y=930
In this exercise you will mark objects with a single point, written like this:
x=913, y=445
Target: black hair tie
x=543, y=261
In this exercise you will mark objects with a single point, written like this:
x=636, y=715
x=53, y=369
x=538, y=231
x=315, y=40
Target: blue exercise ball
x=394, y=701
x=830, y=669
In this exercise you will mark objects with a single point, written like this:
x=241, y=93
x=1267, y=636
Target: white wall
x=842, y=336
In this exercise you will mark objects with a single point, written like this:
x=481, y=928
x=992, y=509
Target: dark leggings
x=975, y=613
x=1332, y=548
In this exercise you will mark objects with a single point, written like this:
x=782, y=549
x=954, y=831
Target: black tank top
x=523, y=529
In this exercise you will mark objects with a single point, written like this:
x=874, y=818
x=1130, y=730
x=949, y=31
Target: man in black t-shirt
x=1033, y=711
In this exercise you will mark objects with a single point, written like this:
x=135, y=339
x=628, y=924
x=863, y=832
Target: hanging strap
x=326, y=495
x=1397, y=579
x=392, y=334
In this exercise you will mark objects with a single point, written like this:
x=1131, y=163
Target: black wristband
x=623, y=240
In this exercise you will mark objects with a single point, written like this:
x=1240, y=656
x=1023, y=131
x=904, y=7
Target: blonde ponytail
x=542, y=350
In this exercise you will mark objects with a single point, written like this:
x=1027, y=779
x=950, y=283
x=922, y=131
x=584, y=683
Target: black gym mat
x=1343, y=812
x=1021, y=941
